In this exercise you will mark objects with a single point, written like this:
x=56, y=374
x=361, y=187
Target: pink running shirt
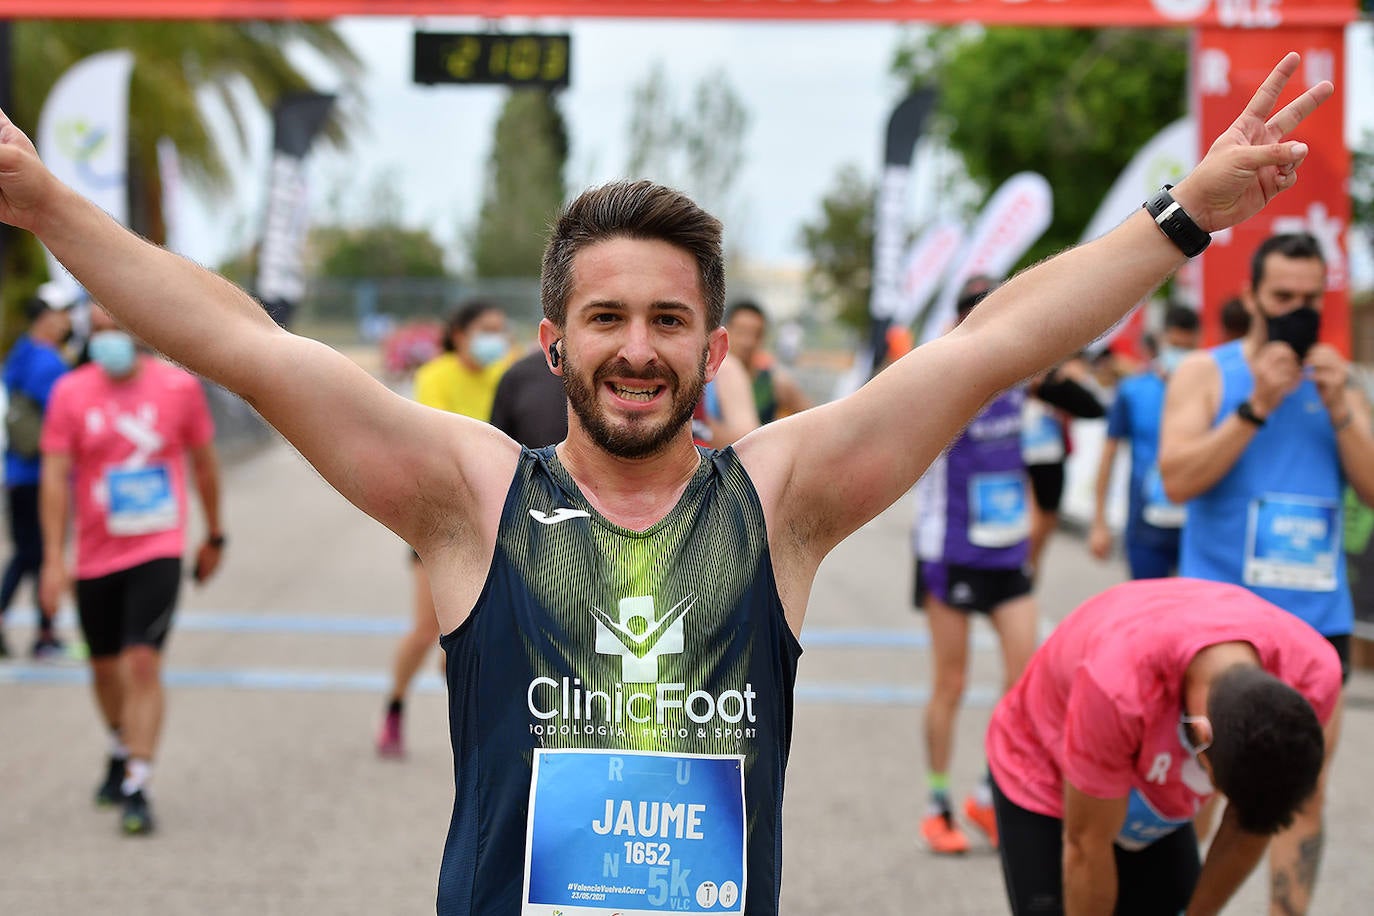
x=128, y=443
x=1100, y=701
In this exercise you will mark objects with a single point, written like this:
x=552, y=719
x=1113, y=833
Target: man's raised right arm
x=382, y=452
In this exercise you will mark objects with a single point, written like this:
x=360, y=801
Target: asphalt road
x=271, y=799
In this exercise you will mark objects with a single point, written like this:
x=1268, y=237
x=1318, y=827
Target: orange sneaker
x=982, y=817
x=942, y=836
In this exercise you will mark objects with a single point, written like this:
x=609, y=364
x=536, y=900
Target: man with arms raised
x=620, y=612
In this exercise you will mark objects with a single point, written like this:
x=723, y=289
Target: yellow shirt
x=446, y=383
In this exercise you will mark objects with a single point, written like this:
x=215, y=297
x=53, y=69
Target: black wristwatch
x=1247, y=413
x=1177, y=226
x=216, y=541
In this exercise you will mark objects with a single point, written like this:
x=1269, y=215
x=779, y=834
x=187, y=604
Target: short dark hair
x=973, y=291
x=745, y=305
x=1299, y=245
x=1235, y=317
x=635, y=210
x=461, y=318
x=1180, y=317
x=1267, y=747
x=35, y=307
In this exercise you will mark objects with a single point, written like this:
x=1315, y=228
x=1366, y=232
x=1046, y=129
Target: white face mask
x=113, y=351
x=487, y=347
x=1169, y=358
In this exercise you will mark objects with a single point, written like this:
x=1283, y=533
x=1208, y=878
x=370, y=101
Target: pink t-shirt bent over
x=128, y=442
x=1099, y=704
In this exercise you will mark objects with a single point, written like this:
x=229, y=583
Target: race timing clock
x=493, y=58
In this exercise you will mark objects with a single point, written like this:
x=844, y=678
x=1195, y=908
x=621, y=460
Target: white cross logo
x=639, y=638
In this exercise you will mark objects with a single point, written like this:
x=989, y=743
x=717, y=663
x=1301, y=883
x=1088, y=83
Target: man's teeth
x=635, y=394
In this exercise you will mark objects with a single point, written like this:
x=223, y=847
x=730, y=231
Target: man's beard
x=637, y=438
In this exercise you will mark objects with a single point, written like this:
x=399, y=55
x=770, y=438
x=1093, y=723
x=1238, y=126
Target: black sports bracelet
x=1177, y=226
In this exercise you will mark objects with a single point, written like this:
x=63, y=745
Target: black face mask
x=1297, y=328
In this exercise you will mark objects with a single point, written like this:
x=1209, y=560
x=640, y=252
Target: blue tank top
x=972, y=503
x=620, y=705
x=1274, y=523
x=1151, y=520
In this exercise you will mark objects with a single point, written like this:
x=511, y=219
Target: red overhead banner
x=1227, y=65
x=1266, y=14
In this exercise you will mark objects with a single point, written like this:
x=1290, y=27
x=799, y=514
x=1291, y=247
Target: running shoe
x=109, y=792
x=389, y=742
x=982, y=817
x=138, y=815
x=48, y=647
x=942, y=836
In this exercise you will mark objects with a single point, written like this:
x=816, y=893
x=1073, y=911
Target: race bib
x=1293, y=542
x=139, y=500
x=1156, y=509
x=1144, y=825
x=999, y=513
x=635, y=833
x=1042, y=436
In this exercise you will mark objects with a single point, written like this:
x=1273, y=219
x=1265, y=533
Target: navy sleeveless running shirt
x=668, y=641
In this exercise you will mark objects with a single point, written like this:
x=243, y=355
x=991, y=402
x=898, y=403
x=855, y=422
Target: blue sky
x=818, y=96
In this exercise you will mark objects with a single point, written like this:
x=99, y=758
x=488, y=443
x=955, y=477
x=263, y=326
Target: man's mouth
x=635, y=392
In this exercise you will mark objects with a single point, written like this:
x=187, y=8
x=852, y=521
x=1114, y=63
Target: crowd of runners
x=613, y=538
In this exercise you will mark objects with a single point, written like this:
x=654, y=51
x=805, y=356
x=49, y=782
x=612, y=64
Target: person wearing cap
x=33, y=366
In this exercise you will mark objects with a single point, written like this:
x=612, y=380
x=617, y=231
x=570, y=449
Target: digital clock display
x=493, y=58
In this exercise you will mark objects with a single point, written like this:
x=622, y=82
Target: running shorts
x=132, y=607
x=1153, y=881
x=967, y=588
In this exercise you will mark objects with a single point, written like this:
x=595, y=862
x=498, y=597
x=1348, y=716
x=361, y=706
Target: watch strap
x=1177, y=226
x=1247, y=413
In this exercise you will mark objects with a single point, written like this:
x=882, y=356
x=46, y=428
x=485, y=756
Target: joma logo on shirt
x=639, y=637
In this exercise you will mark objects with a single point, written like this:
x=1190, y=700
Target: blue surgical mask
x=487, y=347
x=1169, y=358
x=114, y=352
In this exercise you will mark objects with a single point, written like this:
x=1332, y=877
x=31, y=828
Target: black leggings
x=1156, y=880
x=27, y=538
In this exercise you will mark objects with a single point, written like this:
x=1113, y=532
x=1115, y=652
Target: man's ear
x=717, y=348
x=551, y=341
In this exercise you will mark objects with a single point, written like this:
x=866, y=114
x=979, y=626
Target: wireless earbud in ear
x=553, y=354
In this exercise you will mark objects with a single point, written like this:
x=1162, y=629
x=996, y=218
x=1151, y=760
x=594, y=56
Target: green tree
x=173, y=62
x=383, y=248
x=839, y=243
x=524, y=186
x=1072, y=104
x=699, y=148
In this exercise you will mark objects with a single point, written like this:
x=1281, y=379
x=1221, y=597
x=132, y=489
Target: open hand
x=1251, y=163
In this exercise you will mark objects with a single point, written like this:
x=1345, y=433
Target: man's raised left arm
x=829, y=470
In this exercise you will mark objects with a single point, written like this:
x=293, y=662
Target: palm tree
x=173, y=63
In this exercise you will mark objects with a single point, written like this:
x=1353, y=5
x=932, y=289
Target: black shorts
x=967, y=588
x=132, y=607
x=1158, y=879
x=1047, y=485
x=1342, y=644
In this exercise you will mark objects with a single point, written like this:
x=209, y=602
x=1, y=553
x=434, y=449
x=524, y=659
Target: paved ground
x=271, y=800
